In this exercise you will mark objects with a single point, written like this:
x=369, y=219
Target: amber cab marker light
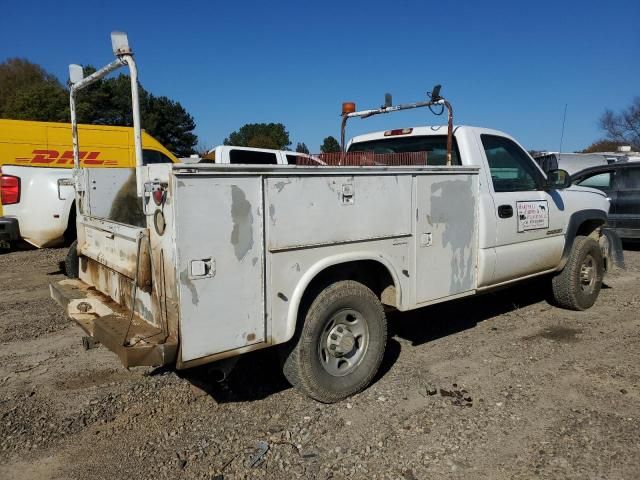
x=348, y=107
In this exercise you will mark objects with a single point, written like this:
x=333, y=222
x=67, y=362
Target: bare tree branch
x=623, y=126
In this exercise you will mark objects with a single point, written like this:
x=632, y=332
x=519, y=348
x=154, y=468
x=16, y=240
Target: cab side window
x=150, y=157
x=602, y=181
x=511, y=168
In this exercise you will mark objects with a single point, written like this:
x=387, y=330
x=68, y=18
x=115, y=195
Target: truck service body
x=226, y=259
x=36, y=159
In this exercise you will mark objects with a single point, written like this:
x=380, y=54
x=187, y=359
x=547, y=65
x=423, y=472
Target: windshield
x=434, y=145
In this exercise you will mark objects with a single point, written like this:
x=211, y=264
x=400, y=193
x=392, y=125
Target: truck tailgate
x=122, y=248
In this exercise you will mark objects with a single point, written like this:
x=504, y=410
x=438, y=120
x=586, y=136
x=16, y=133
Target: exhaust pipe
x=220, y=370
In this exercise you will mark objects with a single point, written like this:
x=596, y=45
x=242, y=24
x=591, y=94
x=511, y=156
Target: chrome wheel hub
x=588, y=274
x=344, y=342
x=340, y=341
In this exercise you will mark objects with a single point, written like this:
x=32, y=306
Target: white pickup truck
x=36, y=205
x=232, y=155
x=227, y=259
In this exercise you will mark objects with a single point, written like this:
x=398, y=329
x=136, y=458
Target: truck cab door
x=626, y=203
x=609, y=182
x=530, y=222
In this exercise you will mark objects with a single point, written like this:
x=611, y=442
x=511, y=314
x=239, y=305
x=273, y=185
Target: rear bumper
x=136, y=342
x=9, y=229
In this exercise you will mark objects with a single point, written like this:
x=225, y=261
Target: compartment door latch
x=348, y=194
x=205, y=268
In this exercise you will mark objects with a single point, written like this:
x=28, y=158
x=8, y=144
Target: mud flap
x=612, y=252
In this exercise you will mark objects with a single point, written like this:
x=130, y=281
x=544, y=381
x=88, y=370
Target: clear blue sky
x=508, y=65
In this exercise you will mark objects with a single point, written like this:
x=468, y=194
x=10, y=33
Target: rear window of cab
x=434, y=145
x=151, y=157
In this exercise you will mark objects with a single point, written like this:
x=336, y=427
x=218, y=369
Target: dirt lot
x=503, y=386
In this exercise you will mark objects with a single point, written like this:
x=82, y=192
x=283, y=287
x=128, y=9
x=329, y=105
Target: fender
x=577, y=219
x=321, y=265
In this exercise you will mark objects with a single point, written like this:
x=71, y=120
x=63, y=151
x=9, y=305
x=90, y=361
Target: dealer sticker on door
x=532, y=215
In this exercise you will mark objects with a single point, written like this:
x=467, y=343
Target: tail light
x=158, y=197
x=9, y=189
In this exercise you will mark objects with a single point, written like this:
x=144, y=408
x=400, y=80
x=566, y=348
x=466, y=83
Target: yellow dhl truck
x=36, y=162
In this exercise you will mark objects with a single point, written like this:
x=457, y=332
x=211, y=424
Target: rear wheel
x=341, y=344
x=70, y=233
x=577, y=286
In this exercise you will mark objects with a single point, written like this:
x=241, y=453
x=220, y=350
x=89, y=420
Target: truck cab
x=525, y=225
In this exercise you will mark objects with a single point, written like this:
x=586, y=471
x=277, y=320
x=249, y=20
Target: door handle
x=505, y=211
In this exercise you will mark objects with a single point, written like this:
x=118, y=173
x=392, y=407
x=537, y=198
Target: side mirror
x=558, y=179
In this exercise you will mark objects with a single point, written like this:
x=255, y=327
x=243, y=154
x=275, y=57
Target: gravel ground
x=502, y=386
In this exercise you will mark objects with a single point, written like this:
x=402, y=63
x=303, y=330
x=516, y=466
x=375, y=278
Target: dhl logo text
x=53, y=157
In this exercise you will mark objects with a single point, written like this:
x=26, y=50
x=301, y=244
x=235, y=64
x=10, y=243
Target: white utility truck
x=219, y=260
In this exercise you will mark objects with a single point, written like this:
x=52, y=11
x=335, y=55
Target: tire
x=70, y=234
x=577, y=286
x=71, y=262
x=340, y=346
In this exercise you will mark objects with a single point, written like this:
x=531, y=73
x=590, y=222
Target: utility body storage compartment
x=239, y=245
x=248, y=239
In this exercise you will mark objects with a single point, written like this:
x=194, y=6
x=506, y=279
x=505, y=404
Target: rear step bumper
x=9, y=229
x=136, y=342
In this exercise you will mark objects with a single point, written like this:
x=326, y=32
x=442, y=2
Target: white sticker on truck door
x=532, y=215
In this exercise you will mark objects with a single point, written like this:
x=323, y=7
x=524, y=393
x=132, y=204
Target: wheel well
x=370, y=273
x=589, y=227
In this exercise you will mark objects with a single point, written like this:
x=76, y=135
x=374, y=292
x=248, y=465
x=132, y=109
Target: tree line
x=275, y=136
x=29, y=92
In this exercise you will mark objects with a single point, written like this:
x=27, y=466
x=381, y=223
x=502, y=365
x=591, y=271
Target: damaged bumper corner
x=136, y=342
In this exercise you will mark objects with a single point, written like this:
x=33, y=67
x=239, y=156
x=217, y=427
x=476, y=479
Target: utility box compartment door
x=219, y=240
x=446, y=228
x=324, y=210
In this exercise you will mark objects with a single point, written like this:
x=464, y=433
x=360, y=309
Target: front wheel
x=341, y=344
x=577, y=286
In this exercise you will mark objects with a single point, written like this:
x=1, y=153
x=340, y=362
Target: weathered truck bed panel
x=446, y=236
x=249, y=243
x=317, y=210
x=220, y=265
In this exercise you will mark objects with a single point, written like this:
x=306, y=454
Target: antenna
x=564, y=118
